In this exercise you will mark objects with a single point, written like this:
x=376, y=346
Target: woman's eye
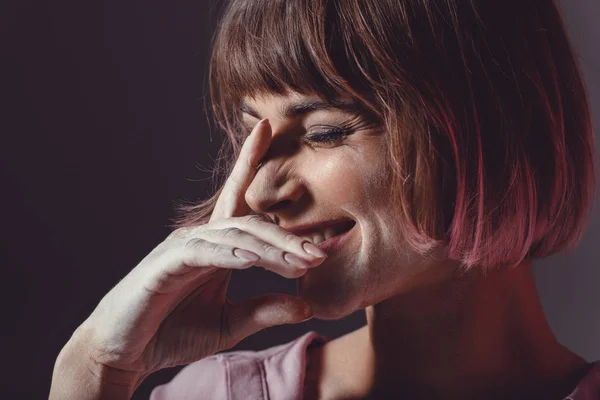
x=330, y=135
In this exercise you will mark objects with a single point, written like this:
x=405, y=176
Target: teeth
x=326, y=234
x=318, y=238
x=329, y=233
x=309, y=238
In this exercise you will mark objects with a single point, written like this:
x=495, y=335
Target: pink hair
x=484, y=106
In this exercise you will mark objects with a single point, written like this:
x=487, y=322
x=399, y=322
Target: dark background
x=103, y=127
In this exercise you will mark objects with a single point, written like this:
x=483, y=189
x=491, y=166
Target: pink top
x=277, y=373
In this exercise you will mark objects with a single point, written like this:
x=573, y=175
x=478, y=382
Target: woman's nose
x=273, y=189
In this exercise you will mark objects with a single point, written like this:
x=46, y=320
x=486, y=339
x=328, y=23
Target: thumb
x=252, y=315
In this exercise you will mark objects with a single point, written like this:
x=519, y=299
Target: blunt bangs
x=305, y=46
x=272, y=51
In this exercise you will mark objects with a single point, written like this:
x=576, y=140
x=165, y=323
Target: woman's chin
x=328, y=302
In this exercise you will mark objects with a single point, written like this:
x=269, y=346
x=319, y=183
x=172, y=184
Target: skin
x=171, y=309
x=431, y=332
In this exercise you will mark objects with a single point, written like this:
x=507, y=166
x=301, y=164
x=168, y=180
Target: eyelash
x=330, y=135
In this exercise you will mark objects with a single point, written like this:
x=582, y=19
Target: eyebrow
x=305, y=107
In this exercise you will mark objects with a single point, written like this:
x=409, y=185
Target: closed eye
x=328, y=135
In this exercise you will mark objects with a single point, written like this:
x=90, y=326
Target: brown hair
x=485, y=111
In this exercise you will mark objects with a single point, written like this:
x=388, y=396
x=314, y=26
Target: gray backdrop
x=103, y=127
x=569, y=283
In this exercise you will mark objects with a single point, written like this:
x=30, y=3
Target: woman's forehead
x=290, y=96
x=294, y=104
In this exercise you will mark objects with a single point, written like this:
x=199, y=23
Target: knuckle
x=195, y=243
x=213, y=247
x=272, y=251
x=290, y=238
x=231, y=233
x=252, y=219
x=201, y=244
x=256, y=218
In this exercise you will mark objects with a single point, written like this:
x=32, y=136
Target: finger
x=191, y=258
x=231, y=202
x=259, y=226
x=198, y=252
x=272, y=258
x=255, y=314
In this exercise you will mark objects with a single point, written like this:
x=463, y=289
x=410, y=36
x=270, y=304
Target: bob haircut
x=483, y=105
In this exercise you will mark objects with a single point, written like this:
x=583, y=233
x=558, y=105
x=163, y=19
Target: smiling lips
x=319, y=232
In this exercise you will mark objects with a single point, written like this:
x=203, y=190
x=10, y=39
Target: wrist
x=77, y=375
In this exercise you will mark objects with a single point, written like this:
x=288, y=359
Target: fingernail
x=245, y=255
x=296, y=261
x=260, y=123
x=307, y=318
x=313, y=250
x=255, y=129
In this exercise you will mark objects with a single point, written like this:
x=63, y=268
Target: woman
x=409, y=158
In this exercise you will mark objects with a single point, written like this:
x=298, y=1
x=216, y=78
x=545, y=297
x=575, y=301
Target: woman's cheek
x=339, y=178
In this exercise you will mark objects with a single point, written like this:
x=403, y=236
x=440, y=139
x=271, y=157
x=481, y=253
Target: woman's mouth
x=330, y=235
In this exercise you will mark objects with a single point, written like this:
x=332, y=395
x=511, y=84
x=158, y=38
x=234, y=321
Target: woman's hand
x=172, y=309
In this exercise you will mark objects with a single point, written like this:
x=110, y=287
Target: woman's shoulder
x=276, y=372
x=588, y=387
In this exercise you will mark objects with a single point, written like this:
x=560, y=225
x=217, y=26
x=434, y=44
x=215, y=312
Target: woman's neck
x=469, y=337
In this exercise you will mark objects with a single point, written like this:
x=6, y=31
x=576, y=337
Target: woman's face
x=329, y=165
